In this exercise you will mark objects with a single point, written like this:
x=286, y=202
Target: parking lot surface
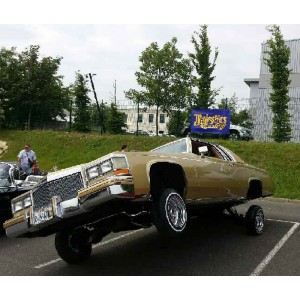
x=212, y=246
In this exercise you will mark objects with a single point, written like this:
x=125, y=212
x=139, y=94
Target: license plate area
x=42, y=215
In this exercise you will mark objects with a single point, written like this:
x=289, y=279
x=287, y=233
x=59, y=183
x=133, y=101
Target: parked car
x=13, y=182
x=237, y=132
x=140, y=132
x=132, y=190
x=240, y=133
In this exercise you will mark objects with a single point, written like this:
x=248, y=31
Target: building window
x=125, y=118
x=140, y=118
x=162, y=118
x=151, y=117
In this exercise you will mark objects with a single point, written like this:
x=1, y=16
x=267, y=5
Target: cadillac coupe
x=133, y=190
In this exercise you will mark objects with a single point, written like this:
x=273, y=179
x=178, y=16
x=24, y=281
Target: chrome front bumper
x=87, y=200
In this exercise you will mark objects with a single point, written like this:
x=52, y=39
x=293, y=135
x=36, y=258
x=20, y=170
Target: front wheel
x=234, y=136
x=169, y=213
x=73, y=246
x=255, y=220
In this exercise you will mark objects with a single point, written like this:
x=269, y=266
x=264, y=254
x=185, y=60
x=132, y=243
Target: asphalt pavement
x=212, y=246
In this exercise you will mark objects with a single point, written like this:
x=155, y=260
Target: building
x=146, y=118
x=260, y=90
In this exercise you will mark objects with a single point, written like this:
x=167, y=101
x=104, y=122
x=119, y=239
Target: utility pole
x=115, y=89
x=98, y=107
x=70, y=119
x=137, y=120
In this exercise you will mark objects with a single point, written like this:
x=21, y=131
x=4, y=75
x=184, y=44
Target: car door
x=217, y=178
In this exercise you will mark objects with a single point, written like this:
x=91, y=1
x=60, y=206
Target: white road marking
x=51, y=262
x=48, y=263
x=277, y=247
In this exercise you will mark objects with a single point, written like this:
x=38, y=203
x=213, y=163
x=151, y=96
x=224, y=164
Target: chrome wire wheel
x=176, y=212
x=169, y=213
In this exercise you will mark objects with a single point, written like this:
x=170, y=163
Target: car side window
x=215, y=151
x=175, y=147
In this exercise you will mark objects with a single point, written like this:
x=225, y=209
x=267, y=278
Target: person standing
x=27, y=159
x=124, y=148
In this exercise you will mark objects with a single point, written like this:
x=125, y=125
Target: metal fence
x=262, y=117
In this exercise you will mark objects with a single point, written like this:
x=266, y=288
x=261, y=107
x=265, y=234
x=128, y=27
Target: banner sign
x=216, y=121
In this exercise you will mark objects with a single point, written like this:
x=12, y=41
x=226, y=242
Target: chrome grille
x=65, y=187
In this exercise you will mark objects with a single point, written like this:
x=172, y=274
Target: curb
x=281, y=200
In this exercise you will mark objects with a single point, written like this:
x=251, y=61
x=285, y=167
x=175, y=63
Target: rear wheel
x=234, y=135
x=169, y=213
x=255, y=220
x=73, y=246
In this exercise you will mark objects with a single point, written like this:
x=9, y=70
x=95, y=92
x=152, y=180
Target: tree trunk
x=178, y=121
x=29, y=118
x=156, y=120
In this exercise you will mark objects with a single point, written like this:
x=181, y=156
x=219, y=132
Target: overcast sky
x=112, y=50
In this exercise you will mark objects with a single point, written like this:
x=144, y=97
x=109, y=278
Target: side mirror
x=202, y=150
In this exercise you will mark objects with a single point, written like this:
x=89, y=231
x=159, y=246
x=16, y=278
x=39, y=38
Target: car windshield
x=4, y=175
x=179, y=146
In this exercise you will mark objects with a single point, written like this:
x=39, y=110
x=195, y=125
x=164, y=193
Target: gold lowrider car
x=133, y=190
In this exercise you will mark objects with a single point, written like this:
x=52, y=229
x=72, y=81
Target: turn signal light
x=121, y=172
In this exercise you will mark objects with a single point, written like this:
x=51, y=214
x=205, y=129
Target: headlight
x=116, y=165
x=21, y=203
x=27, y=202
x=17, y=206
x=106, y=166
x=93, y=172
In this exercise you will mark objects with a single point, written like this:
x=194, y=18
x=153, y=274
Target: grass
x=65, y=149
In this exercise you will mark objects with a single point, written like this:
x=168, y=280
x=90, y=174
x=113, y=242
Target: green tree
x=277, y=59
x=31, y=91
x=139, y=97
x=2, y=117
x=115, y=120
x=244, y=118
x=94, y=115
x=204, y=95
x=237, y=117
x=82, y=117
x=180, y=96
x=177, y=122
x=230, y=104
x=9, y=77
x=162, y=75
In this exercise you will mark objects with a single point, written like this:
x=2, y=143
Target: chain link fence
x=262, y=117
